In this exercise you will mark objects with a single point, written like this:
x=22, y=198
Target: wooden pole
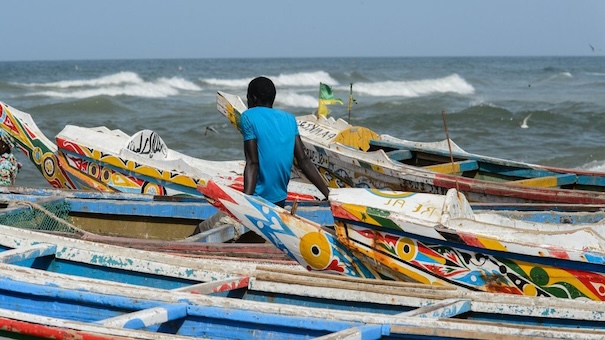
x=449, y=145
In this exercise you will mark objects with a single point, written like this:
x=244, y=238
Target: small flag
x=326, y=97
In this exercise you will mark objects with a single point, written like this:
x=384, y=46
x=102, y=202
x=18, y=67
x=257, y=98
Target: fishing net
x=45, y=216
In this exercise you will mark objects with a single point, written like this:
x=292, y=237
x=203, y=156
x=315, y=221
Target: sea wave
x=112, y=79
x=296, y=100
x=301, y=79
x=118, y=84
x=416, y=88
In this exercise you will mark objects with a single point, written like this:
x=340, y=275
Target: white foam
x=594, y=166
x=113, y=79
x=296, y=100
x=118, y=84
x=416, y=88
x=301, y=79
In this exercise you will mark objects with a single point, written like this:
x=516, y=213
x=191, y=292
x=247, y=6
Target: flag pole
x=350, y=106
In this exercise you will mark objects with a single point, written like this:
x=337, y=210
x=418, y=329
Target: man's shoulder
x=267, y=112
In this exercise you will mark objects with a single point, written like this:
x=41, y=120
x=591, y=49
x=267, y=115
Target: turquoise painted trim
x=399, y=155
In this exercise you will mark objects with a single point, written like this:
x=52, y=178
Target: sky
x=150, y=29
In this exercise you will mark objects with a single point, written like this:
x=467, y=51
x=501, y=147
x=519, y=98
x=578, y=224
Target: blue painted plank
x=591, y=180
x=186, y=210
x=399, y=155
x=261, y=318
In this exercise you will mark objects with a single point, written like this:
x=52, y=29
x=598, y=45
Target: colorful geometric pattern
x=303, y=240
x=431, y=253
x=32, y=142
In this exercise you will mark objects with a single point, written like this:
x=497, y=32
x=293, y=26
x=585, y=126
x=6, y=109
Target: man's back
x=274, y=131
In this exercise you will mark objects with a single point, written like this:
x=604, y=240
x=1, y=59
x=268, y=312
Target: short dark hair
x=263, y=89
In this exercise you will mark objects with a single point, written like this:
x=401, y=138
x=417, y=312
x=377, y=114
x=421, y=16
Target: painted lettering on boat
x=147, y=142
x=419, y=208
x=312, y=128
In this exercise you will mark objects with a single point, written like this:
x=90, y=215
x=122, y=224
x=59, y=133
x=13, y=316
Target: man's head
x=261, y=92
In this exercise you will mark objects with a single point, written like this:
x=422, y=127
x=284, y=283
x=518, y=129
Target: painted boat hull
x=404, y=236
x=157, y=223
x=109, y=160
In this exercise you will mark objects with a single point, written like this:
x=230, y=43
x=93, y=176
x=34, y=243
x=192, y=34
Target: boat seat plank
x=547, y=181
x=27, y=253
x=399, y=155
x=216, y=286
x=444, y=309
x=147, y=317
x=449, y=168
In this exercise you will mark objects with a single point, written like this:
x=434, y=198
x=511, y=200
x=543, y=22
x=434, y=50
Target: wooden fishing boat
x=55, y=286
x=187, y=226
x=437, y=240
x=353, y=156
x=110, y=160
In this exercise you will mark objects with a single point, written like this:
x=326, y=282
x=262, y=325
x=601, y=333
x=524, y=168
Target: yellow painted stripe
x=445, y=168
x=543, y=182
x=492, y=244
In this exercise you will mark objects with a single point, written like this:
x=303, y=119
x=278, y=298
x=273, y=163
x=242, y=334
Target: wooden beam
x=27, y=253
x=216, y=286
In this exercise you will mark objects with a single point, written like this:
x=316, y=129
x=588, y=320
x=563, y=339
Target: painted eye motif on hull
x=406, y=249
x=316, y=250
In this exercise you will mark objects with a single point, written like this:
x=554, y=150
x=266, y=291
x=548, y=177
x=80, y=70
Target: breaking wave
x=117, y=84
x=416, y=88
x=302, y=79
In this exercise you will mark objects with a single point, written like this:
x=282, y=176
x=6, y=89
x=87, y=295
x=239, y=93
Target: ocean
x=485, y=101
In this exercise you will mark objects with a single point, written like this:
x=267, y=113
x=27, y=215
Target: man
x=271, y=143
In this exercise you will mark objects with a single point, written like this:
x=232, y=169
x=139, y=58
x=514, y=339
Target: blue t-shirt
x=275, y=132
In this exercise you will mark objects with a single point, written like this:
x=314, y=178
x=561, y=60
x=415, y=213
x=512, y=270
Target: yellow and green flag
x=326, y=97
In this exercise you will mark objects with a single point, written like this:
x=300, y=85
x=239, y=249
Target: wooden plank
x=147, y=317
x=26, y=324
x=444, y=309
x=367, y=332
x=300, y=321
x=216, y=286
x=193, y=210
x=27, y=253
x=449, y=168
x=547, y=181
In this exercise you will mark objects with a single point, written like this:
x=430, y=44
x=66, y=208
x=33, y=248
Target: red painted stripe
x=50, y=332
x=471, y=240
x=519, y=192
x=562, y=254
